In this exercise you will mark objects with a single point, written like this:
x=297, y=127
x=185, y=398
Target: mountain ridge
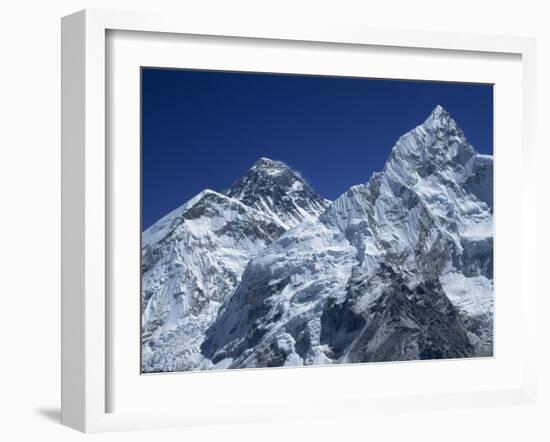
x=397, y=268
x=413, y=222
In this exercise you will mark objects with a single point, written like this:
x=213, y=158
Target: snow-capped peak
x=160, y=229
x=440, y=119
x=439, y=111
x=265, y=167
x=438, y=144
x=273, y=188
x=268, y=163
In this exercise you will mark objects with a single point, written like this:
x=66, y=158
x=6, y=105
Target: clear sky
x=204, y=129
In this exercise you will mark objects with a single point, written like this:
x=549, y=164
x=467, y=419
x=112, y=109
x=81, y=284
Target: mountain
x=399, y=268
x=193, y=258
x=272, y=188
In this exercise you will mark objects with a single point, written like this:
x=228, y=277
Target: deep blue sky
x=204, y=129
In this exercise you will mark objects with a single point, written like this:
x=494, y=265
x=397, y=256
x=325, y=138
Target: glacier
x=268, y=273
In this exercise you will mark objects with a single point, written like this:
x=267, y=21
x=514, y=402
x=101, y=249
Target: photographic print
x=295, y=220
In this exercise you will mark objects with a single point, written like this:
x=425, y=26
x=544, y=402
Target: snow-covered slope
x=193, y=258
x=399, y=268
x=274, y=316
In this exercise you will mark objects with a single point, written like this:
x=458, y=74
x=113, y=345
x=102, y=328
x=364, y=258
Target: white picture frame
x=86, y=315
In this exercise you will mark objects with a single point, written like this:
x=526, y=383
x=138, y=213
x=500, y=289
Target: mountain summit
x=274, y=189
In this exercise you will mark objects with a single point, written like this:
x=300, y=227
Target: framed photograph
x=263, y=222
